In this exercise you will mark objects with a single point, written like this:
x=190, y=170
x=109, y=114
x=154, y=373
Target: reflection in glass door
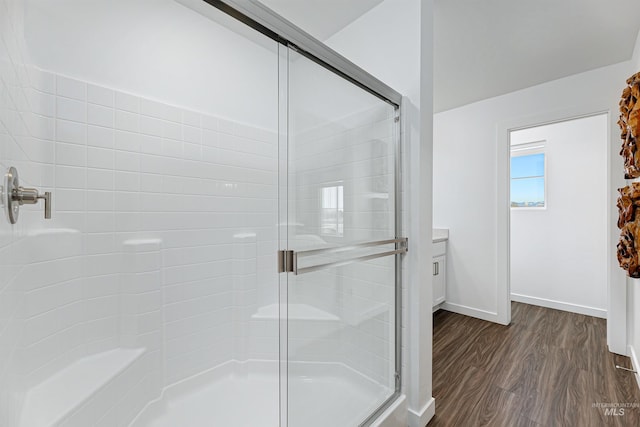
x=341, y=311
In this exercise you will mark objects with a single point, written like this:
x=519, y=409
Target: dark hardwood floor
x=548, y=368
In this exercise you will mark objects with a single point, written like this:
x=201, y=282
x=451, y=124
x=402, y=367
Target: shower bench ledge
x=56, y=399
x=295, y=312
x=360, y=310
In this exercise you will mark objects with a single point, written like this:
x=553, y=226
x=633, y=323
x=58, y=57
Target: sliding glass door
x=341, y=234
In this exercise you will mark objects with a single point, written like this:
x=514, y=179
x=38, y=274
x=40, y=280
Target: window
x=528, y=175
x=332, y=211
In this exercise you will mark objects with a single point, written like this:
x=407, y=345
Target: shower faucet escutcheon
x=17, y=196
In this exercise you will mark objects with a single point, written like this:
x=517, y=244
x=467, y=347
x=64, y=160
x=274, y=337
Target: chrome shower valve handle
x=17, y=196
x=30, y=196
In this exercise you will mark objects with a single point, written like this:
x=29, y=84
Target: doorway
x=558, y=215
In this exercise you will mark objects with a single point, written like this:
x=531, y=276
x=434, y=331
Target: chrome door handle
x=291, y=266
x=18, y=196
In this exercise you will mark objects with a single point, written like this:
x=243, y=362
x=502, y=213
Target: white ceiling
x=486, y=48
x=321, y=18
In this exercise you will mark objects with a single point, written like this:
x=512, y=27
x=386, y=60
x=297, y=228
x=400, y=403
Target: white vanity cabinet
x=439, y=270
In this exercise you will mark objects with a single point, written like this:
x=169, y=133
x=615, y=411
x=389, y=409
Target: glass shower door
x=341, y=307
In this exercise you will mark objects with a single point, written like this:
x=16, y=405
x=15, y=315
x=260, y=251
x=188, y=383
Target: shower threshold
x=244, y=394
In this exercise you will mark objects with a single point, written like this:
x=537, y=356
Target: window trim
x=529, y=149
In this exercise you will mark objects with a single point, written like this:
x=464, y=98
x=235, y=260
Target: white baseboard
x=634, y=362
x=470, y=311
x=421, y=418
x=558, y=305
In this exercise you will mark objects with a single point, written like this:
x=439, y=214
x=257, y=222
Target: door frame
x=617, y=298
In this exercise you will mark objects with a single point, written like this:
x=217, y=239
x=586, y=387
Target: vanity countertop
x=440, y=234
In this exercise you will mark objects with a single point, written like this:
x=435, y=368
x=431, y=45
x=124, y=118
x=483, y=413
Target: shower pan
x=221, y=242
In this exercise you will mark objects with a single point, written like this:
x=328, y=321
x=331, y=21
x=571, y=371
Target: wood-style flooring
x=548, y=368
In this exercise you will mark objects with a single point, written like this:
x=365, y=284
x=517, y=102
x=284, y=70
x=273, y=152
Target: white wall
x=386, y=42
x=636, y=54
x=466, y=194
x=394, y=42
x=159, y=49
x=559, y=253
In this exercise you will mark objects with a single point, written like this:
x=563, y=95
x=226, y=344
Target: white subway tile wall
x=16, y=143
x=163, y=237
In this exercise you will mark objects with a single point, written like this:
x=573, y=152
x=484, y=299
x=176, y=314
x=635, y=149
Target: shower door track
x=272, y=25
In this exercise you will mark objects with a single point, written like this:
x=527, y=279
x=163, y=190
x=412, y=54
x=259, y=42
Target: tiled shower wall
x=163, y=232
x=12, y=97
x=204, y=186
